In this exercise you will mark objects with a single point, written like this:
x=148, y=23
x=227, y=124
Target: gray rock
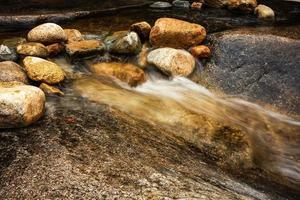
x=7, y=54
x=258, y=66
x=181, y=3
x=161, y=4
x=124, y=42
x=11, y=71
x=20, y=105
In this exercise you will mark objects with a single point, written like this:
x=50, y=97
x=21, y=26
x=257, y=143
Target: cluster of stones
x=263, y=12
x=171, y=46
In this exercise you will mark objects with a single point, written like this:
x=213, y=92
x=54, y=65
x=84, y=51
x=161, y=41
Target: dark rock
x=259, y=66
x=161, y=5
x=181, y=3
x=7, y=54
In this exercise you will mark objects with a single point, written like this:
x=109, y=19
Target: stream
x=168, y=138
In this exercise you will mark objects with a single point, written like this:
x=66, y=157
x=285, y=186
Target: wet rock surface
x=258, y=66
x=99, y=152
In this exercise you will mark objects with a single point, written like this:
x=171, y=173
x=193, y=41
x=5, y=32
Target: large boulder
x=42, y=70
x=168, y=32
x=128, y=73
x=84, y=48
x=20, y=106
x=172, y=61
x=124, y=42
x=257, y=65
x=11, y=71
x=32, y=49
x=47, y=33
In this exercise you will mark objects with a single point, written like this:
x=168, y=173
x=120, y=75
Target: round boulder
x=124, y=42
x=47, y=33
x=42, y=70
x=11, y=71
x=168, y=32
x=172, y=61
x=20, y=106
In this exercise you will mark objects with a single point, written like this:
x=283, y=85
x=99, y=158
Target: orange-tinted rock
x=128, y=73
x=168, y=32
x=196, y=6
x=200, y=51
x=73, y=35
x=84, y=48
x=55, y=49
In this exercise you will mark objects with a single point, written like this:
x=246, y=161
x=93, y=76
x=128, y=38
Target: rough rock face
x=47, y=33
x=42, y=70
x=10, y=71
x=124, y=42
x=168, y=32
x=32, y=49
x=259, y=66
x=20, y=106
x=128, y=73
x=172, y=61
x=84, y=48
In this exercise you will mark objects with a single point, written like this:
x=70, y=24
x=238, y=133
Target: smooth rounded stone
x=7, y=54
x=257, y=65
x=125, y=72
x=142, y=29
x=169, y=32
x=264, y=13
x=42, y=70
x=32, y=49
x=55, y=49
x=196, y=5
x=84, y=48
x=181, y=3
x=10, y=71
x=124, y=42
x=73, y=35
x=47, y=33
x=161, y=5
x=50, y=90
x=172, y=62
x=20, y=106
x=244, y=6
x=200, y=51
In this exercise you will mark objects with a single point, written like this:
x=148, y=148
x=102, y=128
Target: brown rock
x=55, y=49
x=42, y=70
x=84, y=48
x=168, y=32
x=11, y=71
x=32, y=49
x=128, y=73
x=73, y=35
x=200, y=51
x=245, y=6
x=196, y=6
x=142, y=29
x=48, y=89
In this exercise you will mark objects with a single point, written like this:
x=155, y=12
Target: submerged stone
x=128, y=73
